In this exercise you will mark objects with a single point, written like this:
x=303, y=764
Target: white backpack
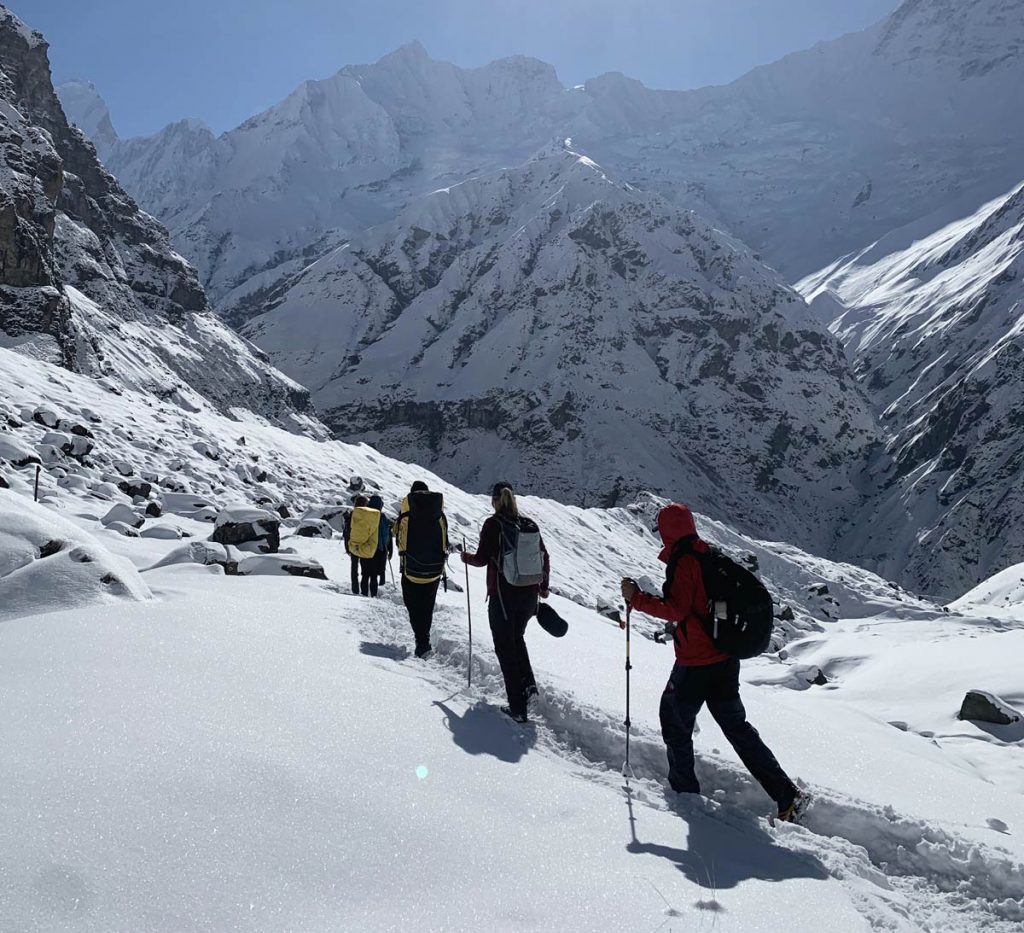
x=522, y=560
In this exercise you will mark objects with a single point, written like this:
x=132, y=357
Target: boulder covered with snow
x=163, y=532
x=281, y=565
x=49, y=564
x=314, y=528
x=123, y=514
x=240, y=524
x=16, y=452
x=207, y=553
x=123, y=529
x=981, y=706
x=334, y=515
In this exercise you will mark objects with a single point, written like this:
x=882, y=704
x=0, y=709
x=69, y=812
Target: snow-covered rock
x=123, y=529
x=314, y=528
x=162, y=532
x=240, y=524
x=281, y=565
x=982, y=706
x=49, y=564
x=16, y=452
x=125, y=515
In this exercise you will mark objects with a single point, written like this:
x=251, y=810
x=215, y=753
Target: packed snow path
x=264, y=754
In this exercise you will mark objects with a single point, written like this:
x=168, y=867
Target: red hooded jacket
x=687, y=601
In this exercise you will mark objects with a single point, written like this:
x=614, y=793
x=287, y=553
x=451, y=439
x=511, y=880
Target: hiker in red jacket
x=702, y=674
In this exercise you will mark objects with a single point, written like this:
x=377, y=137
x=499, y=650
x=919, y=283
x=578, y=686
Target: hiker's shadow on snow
x=482, y=730
x=377, y=649
x=719, y=856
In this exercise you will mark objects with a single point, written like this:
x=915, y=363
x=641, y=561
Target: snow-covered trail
x=267, y=760
x=263, y=754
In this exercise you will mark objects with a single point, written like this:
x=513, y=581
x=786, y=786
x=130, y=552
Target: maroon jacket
x=687, y=603
x=488, y=554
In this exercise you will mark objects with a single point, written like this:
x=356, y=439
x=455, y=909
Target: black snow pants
x=508, y=614
x=370, y=573
x=419, y=599
x=718, y=685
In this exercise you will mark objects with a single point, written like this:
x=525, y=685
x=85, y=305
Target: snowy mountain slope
x=159, y=757
x=201, y=454
x=1002, y=593
x=89, y=280
x=936, y=333
x=549, y=323
x=805, y=159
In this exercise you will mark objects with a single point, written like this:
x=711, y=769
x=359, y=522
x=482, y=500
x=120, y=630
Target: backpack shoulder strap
x=681, y=549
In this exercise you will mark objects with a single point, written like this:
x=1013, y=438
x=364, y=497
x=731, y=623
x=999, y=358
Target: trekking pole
x=392, y=569
x=35, y=495
x=469, y=614
x=629, y=666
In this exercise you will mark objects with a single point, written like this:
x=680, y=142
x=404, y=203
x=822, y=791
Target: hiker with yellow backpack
x=362, y=534
x=422, y=534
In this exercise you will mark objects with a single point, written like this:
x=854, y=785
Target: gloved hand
x=667, y=634
x=629, y=589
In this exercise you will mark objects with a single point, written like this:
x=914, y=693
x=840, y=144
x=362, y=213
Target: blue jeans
x=718, y=685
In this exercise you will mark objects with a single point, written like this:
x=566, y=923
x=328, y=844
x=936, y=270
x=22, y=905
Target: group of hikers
x=697, y=603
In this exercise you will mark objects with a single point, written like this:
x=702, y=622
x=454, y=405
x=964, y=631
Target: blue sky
x=223, y=60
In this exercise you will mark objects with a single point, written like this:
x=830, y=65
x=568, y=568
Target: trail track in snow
x=937, y=875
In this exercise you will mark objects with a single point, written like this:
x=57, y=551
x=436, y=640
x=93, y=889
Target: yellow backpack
x=362, y=536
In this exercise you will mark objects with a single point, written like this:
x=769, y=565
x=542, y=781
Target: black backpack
x=740, y=616
x=425, y=553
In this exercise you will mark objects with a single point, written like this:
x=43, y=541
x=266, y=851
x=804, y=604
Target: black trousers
x=370, y=573
x=718, y=685
x=509, y=616
x=419, y=599
x=381, y=562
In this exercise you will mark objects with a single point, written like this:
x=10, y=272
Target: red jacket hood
x=675, y=522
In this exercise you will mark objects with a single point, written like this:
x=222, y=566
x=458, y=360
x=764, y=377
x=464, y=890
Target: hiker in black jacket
x=422, y=533
x=510, y=607
x=385, y=545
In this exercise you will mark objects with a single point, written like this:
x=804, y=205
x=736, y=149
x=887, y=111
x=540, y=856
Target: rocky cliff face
x=577, y=336
x=936, y=333
x=89, y=280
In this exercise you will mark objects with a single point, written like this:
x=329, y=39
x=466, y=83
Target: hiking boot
x=424, y=653
x=515, y=717
x=795, y=810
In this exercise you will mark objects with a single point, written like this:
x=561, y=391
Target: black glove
x=667, y=634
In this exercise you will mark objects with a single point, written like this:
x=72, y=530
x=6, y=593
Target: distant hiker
x=362, y=529
x=422, y=533
x=518, y=571
x=702, y=672
x=385, y=542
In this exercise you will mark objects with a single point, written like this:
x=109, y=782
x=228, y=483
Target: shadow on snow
x=482, y=730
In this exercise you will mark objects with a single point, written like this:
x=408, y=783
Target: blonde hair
x=505, y=502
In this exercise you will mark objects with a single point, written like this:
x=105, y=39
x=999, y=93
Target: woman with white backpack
x=518, y=570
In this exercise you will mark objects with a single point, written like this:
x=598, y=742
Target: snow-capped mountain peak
x=588, y=337
x=87, y=110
